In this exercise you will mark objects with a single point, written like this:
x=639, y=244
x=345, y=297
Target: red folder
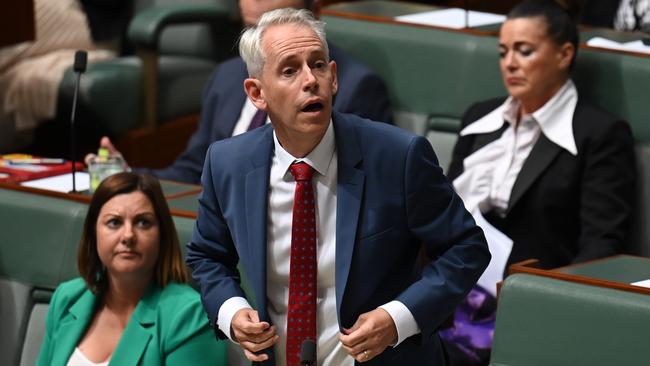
x=11, y=172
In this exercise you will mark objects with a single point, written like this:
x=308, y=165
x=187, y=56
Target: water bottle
x=102, y=166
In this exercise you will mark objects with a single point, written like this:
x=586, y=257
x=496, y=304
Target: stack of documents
x=634, y=46
x=453, y=18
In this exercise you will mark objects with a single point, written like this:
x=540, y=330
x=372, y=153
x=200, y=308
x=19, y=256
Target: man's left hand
x=370, y=335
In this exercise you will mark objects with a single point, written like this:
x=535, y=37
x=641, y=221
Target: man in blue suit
x=391, y=246
x=224, y=100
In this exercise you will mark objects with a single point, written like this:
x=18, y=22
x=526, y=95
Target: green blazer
x=168, y=327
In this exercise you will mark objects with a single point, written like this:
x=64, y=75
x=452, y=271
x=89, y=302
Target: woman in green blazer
x=132, y=305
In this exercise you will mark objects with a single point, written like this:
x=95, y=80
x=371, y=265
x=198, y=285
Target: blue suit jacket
x=361, y=92
x=392, y=199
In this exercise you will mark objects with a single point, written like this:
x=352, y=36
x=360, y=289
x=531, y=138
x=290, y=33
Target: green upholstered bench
x=543, y=321
x=39, y=236
x=432, y=75
x=618, y=83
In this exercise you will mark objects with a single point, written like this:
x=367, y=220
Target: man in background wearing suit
x=226, y=111
x=327, y=214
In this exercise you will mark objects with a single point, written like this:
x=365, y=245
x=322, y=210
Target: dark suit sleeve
x=187, y=167
x=456, y=247
x=211, y=254
x=607, y=192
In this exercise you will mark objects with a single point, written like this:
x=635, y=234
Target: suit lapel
x=73, y=327
x=137, y=334
x=483, y=139
x=349, y=192
x=539, y=159
x=257, y=189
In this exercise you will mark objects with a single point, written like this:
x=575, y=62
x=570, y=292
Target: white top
x=79, y=359
x=490, y=173
x=282, y=186
x=248, y=111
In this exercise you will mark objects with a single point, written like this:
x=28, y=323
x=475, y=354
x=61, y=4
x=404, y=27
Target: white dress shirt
x=490, y=173
x=281, y=192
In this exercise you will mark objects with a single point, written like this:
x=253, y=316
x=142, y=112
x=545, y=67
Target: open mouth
x=313, y=107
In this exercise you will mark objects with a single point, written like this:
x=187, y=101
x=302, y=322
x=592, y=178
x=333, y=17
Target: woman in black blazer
x=551, y=172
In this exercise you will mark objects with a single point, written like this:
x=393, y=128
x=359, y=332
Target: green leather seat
x=543, y=321
x=38, y=242
x=178, y=46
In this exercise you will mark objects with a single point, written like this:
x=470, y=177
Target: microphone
x=308, y=353
x=80, y=61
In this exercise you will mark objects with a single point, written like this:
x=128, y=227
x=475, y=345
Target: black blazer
x=565, y=208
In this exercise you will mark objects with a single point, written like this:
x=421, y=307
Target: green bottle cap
x=103, y=152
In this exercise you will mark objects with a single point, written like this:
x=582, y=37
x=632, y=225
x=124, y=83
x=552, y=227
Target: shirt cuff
x=228, y=310
x=404, y=321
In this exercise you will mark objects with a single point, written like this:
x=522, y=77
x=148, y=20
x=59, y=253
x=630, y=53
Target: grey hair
x=250, y=42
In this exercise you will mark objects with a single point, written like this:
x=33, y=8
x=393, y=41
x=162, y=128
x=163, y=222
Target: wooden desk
x=181, y=197
x=615, y=272
x=385, y=11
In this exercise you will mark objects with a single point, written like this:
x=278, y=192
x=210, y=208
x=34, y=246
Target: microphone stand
x=80, y=59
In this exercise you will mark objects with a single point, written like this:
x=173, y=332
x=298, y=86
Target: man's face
x=252, y=10
x=296, y=85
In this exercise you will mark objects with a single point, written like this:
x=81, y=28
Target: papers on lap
x=500, y=247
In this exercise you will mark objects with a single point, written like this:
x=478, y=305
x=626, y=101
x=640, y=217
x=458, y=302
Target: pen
x=36, y=161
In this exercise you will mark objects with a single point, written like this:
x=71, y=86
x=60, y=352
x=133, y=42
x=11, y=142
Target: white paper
x=500, y=247
x=634, y=46
x=61, y=183
x=644, y=283
x=452, y=18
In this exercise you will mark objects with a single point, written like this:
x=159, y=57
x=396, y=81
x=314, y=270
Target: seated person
x=132, y=303
x=31, y=72
x=551, y=172
x=228, y=112
x=633, y=15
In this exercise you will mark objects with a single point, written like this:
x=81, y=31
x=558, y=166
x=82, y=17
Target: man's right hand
x=105, y=143
x=252, y=334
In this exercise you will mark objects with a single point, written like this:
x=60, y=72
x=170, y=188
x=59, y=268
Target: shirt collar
x=555, y=118
x=319, y=158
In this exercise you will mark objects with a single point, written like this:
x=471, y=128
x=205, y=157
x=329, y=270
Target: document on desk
x=453, y=18
x=61, y=183
x=634, y=46
x=644, y=283
x=500, y=246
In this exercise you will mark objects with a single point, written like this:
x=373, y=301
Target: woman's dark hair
x=169, y=266
x=559, y=19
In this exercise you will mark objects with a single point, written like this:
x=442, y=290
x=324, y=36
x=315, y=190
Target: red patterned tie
x=301, y=317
